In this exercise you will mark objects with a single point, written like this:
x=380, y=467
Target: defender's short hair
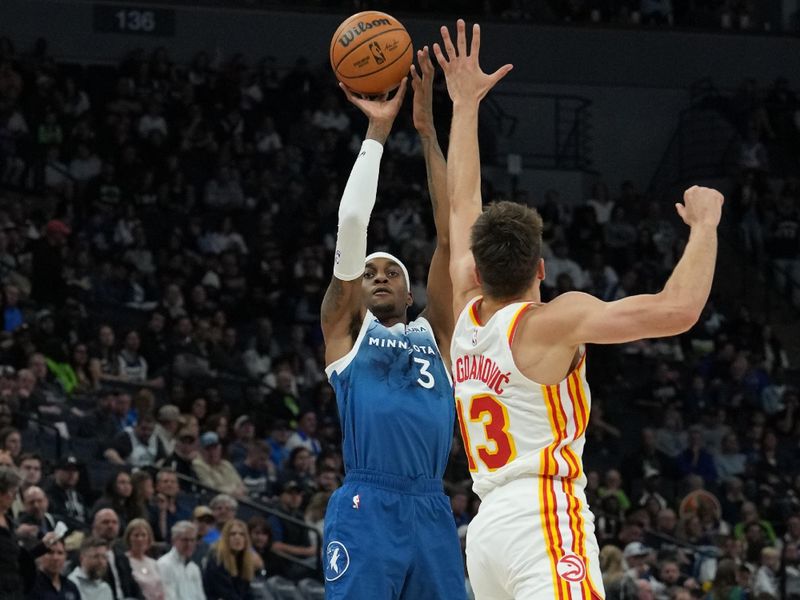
x=506, y=241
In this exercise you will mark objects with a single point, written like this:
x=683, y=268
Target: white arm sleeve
x=355, y=209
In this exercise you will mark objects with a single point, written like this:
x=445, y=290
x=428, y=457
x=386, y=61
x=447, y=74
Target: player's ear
x=409, y=298
x=540, y=269
x=477, y=274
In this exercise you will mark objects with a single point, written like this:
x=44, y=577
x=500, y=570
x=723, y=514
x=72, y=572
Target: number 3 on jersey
x=495, y=430
x=425, y=378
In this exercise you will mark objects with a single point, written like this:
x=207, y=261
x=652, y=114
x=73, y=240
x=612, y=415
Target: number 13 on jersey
x=496, y=448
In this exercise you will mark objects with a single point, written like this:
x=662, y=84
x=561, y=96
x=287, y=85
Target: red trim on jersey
x=512, y=330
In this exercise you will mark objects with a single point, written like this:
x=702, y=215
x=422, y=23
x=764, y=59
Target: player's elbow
x=352, y=220
x=678, y=318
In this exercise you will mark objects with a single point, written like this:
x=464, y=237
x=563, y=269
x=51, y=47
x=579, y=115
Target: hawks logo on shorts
x=337, y=559
x=572, y=568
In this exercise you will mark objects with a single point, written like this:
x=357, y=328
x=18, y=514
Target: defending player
x=519, y=366
x=389, y=530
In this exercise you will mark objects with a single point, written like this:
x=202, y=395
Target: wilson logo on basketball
x=572, y=568
x=358, y=29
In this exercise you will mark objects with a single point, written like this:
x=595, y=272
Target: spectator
x=139, y=538
x=790, y=579
x=616, y=581
x=696, y=459
x=138, y=445
x=223, y=508
x=277, y=437
x=730, y=462
x=50, y=584
x=104, y=357
x=17, y=568
x=90, y=576
x=166, y=510
x=244, y=431
x=305, y=435
x=230, y=565
x=119, y=575
x=725, y=585
x=257, y=472
x=207, y=534
x=102, y=422
x=291, y=538
x=36, y=512
x=11, y=441
x=300, y=468
x=30, y=469
x=213, y=470
x=183, y=456
x=261, y=536
x=168, y=423
x=132, y=366
x=766, y=579
x=750, y=516
x=180, y=576
x=613, y=487
x=65, y=499
x=560, y=263
x=119, y=497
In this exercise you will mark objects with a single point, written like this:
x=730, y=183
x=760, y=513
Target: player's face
x=384, y=288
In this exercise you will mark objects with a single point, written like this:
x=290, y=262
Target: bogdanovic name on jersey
x=401, y=344
x=480, y=368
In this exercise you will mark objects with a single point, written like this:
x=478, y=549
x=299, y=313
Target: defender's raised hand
x=423, y=93
x=466, y=82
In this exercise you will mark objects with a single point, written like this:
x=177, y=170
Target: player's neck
x=392, y=321
x=492, y=305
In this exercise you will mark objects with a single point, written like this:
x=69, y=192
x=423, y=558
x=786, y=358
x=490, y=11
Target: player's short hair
x=506, y=242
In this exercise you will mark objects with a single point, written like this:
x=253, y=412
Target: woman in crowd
x=119, y=496
x=231, y=564
x=11, y=441
x=81, y=377
x=218, y=423
x=725, y=586
x=138, y=539
x=143, y=489
x=261, y=535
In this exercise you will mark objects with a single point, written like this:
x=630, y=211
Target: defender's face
x=384, y=288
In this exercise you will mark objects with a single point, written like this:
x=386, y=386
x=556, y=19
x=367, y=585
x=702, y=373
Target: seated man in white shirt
x=181, y=577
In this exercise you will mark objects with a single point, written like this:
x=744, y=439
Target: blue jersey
x=395, y=401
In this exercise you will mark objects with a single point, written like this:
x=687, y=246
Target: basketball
x=371, y=52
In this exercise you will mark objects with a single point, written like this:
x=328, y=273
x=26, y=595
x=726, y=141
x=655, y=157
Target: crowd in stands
x=766, y=187
x=166, y=234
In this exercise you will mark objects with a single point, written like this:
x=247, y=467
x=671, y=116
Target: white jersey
x=533, y=536
x=514, y=427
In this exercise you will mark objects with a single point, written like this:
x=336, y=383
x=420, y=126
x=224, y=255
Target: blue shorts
x=391, y=538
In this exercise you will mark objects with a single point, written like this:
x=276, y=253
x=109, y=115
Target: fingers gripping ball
x=371, y=52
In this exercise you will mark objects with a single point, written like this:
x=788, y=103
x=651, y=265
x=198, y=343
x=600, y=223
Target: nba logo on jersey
x=356, y=501
x=475, y=337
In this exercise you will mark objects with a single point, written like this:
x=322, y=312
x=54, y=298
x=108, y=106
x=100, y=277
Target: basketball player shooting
x=519, y=366
x=389, y=530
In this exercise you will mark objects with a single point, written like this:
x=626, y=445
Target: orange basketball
x=371, y=52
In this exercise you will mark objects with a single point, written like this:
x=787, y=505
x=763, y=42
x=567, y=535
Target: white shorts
x=533, y=539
